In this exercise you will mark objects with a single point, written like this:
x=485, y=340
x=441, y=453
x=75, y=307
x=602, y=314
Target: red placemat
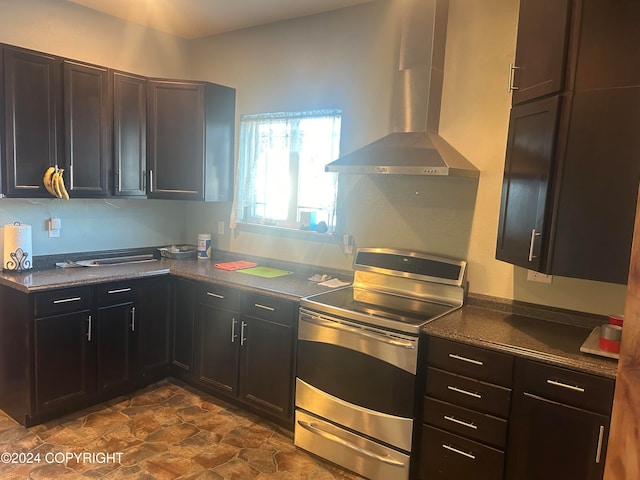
x=235, y=265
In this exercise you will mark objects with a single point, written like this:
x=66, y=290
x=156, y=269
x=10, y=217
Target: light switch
x=55, y=224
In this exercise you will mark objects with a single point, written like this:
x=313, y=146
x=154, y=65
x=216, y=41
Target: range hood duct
x=414, y=147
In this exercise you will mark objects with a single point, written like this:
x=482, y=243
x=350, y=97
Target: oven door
x=357, y=376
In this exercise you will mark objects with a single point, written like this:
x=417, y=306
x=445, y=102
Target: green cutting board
x=265, y=272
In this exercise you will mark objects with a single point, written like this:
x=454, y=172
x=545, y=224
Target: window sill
x=286, y=232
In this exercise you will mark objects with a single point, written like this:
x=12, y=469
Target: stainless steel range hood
x=414, y=147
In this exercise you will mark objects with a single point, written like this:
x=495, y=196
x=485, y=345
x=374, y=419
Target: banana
x=48, y=179
x=55, y=184
x=61, y=187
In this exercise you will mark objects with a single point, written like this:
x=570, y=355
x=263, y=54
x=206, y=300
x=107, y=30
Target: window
x=281, y=177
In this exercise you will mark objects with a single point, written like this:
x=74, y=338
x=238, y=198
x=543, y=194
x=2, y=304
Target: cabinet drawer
x=114, y=293
x=268, y=308
x=470, y=361
x=566, y=386
x=468, y=393
x=61, y=301
x=450, y=457
x=220, y=296
x=469, y=423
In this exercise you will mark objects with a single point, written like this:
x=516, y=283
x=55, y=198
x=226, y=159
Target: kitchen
x=350, y=69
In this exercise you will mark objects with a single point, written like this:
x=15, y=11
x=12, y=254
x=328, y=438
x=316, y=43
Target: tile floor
x=166, y=431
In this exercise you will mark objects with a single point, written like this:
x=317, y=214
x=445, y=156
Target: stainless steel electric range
x=357, y=393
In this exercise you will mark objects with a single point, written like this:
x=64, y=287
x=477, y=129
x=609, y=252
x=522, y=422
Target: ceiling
x=200, y=18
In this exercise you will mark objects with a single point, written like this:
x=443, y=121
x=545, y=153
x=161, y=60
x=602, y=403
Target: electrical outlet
x=533, y=276
x=54, y=226
x=221, y=227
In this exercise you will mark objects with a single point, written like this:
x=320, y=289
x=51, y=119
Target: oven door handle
x=356, y=331
x=313, y=428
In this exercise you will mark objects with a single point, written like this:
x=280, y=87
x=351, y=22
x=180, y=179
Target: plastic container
x=204, y=246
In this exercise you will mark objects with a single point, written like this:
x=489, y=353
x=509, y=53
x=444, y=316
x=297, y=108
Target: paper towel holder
x=18, y=262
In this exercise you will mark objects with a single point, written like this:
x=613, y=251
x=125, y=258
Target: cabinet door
x=129, y=134
x=266, y=365
x=217, y=349
x=176, y=140
x=183, y=325
x=33, y=119
x=65, y=369
x=528, y=165
x=543, y=31
x=595, y=219
x=87, y=144
x=152, y=327
x=553, y=441
x=114, y=328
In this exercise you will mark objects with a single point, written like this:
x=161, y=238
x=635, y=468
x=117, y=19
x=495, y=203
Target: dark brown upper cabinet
x=569, y=192
x=114, y=133
x=129, y=134
x=87, y=116
x=32, y=120
x=530, y=150
x=539, y=69
x=190, y=142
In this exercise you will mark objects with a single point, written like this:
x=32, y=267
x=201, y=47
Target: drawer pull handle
x=465, y=359
x=464, y=392
x=460, y=422
x=600, y=439
x=459, y=452
x=133, y=319
x=215, y=295
x=67, y=300
x=119, y=290
x=565, y=385
x=264, y=307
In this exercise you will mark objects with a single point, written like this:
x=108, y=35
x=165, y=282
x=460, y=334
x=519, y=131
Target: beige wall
x=346, y=60
x=341, y=59
x=65, y=29
x=69, y=30
x=480, y=46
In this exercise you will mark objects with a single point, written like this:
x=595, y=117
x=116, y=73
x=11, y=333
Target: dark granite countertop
x=291, y=287
x=547, y=335
x=547, y=341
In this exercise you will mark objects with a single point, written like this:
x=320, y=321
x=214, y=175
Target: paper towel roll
x=17, y=253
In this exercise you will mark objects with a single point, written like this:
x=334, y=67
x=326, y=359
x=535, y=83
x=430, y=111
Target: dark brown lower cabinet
x=114, y=332
x=244, y=348
x=183, y=325
x=152, y=326
x=218, y=349
x=492, y=416
x=65, y=349
x=266, y=366
x=553, y=441
x=559, y=423
x=65, y=368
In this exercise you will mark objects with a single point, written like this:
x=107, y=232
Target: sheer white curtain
x=281, y=167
